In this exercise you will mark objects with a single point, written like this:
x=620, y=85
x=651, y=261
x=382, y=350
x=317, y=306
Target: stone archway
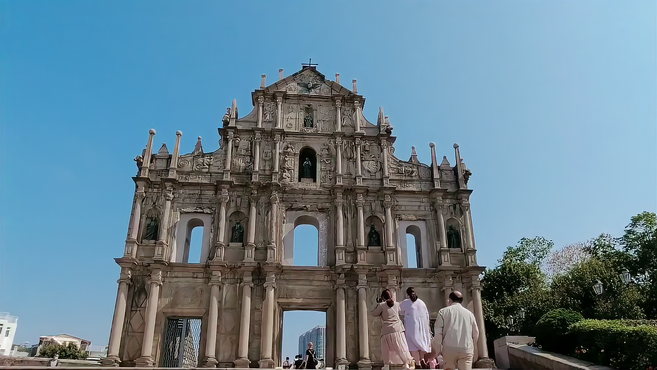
x=296, y=218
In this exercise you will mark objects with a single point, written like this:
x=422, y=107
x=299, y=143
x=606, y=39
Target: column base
x=145, y=361
x=110, y=361
x=341, y=363
x=242, y=363
x=364, y=364
x=210, y=362
x=484, y=363
x=266, y=363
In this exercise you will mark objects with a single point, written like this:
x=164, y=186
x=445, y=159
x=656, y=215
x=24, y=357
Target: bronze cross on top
x=309, y=64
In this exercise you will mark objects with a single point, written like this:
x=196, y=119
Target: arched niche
x=187, y=222
x=296, y=218
x=453, y=231
x=374, y=222
x=418, y=229
x=236, y=221
x=308, y=165
x=151, y=226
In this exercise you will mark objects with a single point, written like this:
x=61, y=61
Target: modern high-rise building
x=8, y=324
x=317, y=335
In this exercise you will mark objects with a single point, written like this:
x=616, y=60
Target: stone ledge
x=522, y=356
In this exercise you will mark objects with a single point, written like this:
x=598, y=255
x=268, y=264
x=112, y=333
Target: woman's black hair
x=387, y=296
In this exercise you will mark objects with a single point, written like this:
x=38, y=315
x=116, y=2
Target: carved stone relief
x=269, y=111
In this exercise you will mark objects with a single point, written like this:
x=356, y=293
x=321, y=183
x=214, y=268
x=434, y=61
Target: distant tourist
x=298, y=362
x=54, y=361
x=456, y=333
x=416, y=323
x=394, y=349
x=286, y=363
x=311, y=358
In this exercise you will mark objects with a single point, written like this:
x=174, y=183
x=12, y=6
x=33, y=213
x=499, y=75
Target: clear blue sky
x=553, y=104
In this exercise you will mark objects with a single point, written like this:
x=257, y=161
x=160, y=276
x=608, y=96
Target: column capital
x=215, y=278
x=358, y=141
x=274, y=199
x=270, y=280
x=125, y=276
x=393, y=281
x=168, y=194
x=338, y=141
x=387, y=201
x=357, y=104
x=224, y=197
x=155, y=278
x=277, y=137
x=261, y=100
x=362, y=281
x=338, y=102
x=257, y=137
x=279, y=99
x=360, y=200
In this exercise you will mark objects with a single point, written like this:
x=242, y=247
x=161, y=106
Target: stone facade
x=305, y=154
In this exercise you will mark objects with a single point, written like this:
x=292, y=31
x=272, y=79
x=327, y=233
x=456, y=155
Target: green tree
x=69, y=351
x=640, y=242
x=529, y=250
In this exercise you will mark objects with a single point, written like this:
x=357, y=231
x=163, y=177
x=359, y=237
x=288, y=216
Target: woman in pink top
x=394, y=348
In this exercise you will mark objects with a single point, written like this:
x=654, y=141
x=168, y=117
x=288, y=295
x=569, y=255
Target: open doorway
x=299, y=329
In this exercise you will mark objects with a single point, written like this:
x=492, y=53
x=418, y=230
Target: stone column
x=448, y=286
x=279, y=111
x=339, y=235
x=131, y=241
x=443, y=251
x=256, y=155
x=261, y=103
x=391, y=251
x=146, y=359
x=479, y=317
x=174, y=158
x=358, y=113
x=267, y=336
x=277, y=155
x=229, y=155
x=459, y=167
x=213, y=316
x=338, y=159
x=338, y=115
x=162, y=245
x=112, y=358
x=249, y=250
x=470, y=251
x=220, y=245
x=359, y=174
x=393, y=284
x=271, y=248
x=145, y=166
x=435, y=172
x=384, y=154
x=341, y=324
x=363, y=326
x=245, y=323
x=360, y=238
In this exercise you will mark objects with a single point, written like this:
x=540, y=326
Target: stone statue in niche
x=453, y=238
x=308, y=117
x=238, y=233
x=152, y=228
x=307, y=167
x=373, y=237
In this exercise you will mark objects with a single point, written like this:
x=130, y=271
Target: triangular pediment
x=311, y=82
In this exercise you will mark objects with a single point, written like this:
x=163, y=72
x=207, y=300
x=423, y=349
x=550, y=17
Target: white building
x=8, y=325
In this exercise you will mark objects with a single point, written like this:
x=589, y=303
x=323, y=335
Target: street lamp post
x=625, y=277
x=598, y=288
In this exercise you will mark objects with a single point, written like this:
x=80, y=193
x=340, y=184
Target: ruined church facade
x=305, y=154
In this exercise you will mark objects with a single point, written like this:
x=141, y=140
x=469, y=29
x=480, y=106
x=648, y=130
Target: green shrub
x=621, y=344
x=552, y=330
x=70, y=351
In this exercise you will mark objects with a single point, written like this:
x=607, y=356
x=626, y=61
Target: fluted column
x=360, y=237
x=338, y=115
x=470, y=250
x=277, y=155
x=271, y=248
x=146, y=359
x=229, y=154
x=363, y=325
x=249, y=250
x=279, y=111
x=443, y=251
x=359, y=174
x=116, y=333
x=358, y=114
x=339, y=236
x=145, y=166
x=256, y=157
x=174, y=158
x=245, y=323
x=213, y=316
x=131, y=241
x=391, y=252
x=261, y=103
x=341, y=324
x=479, y=317
x=220, y=244
x=267, y=336
x=162, y=245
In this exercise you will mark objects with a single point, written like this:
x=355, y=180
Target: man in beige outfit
x=456, y=332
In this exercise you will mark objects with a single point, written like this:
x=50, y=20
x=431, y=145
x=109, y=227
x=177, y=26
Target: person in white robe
x=416, y=322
